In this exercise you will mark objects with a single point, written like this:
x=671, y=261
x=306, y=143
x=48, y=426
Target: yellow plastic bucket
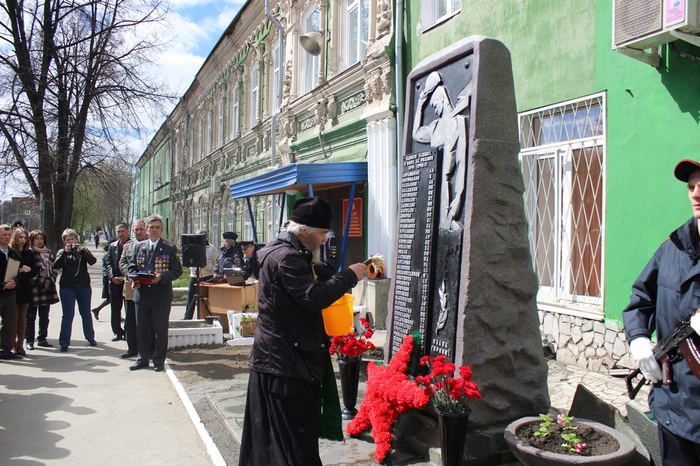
x=338, y=317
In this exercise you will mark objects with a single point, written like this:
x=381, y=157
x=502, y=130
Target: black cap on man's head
x=685, y=168
x=230, y=235
x=312, y=212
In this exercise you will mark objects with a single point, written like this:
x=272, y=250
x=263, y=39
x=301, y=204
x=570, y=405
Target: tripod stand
x=195, y=302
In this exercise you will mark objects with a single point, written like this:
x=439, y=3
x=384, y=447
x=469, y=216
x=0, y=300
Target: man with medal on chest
x=153, y=267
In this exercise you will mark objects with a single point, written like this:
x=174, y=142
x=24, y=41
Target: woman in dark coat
x=44, y=292
x=75, y=287
x=27, y=271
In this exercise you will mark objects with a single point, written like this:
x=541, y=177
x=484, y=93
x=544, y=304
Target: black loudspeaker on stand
x=194, y=254
x=194, y=250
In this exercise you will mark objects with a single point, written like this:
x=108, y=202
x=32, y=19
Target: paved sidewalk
x=85, y=406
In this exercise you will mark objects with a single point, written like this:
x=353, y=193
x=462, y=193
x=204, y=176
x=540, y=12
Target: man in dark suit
x=153, y=295
x=116, y=280
x=8, y=295
x=139, y=229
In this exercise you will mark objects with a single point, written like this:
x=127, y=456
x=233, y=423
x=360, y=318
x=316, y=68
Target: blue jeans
x=69, y=296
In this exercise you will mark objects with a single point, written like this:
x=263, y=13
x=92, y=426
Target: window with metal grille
x=563, y=159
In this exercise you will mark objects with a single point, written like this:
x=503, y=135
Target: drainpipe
x=273, y=119
x=398, y=70
x=185, y=147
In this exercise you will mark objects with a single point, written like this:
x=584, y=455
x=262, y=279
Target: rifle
x=669, y=350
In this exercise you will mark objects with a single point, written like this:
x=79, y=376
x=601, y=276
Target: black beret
x=230, y=235
x=312, y=212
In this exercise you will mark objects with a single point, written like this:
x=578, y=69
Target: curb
x=211, y=447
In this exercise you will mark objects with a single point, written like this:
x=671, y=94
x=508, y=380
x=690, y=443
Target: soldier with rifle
x=664, y=299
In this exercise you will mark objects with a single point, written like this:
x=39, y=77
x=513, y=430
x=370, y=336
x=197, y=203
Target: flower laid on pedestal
x=390, y=393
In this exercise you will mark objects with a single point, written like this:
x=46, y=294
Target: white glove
x=695, y=322
x=643, y=352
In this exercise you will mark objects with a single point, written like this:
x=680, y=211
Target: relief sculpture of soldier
x=448, y=132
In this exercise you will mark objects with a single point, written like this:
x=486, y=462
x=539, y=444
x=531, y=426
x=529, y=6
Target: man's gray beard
x=315, y=252
x=316, y=259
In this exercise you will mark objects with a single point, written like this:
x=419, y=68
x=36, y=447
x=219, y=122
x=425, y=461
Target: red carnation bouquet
x=448, y=394
x=350, y=346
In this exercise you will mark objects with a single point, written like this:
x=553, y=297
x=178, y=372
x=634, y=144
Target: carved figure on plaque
x=449, y=132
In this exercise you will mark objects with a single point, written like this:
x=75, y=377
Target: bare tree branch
x=72, y=82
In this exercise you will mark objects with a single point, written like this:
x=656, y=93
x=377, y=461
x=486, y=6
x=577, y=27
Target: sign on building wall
x=355, y=218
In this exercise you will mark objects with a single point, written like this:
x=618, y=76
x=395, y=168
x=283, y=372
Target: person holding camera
x=74, y=284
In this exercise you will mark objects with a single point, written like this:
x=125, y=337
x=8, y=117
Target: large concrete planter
x=194, y=332
x=531, y=456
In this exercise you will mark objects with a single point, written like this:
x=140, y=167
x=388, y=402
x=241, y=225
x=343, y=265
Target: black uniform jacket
x=667, y=290
x=290, y=340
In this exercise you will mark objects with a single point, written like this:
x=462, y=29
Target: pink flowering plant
x=448, y=394
x=568, y=433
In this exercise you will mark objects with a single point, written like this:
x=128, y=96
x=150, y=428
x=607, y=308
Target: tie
x=151, y=251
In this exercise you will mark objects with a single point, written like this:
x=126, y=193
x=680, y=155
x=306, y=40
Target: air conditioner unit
x=642, y=24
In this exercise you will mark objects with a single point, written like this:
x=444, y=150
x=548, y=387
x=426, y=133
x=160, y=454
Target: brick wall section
x=589, y=344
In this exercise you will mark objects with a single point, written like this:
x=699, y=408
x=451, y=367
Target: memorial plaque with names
x=412, y=295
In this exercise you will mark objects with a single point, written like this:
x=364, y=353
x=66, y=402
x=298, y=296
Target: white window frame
x=222, y=121
x=200, y=139
x=310, y=63
x=235, y=111
x=552, y=239
x=434, y=12
x=354, y=42
x=276, y=99
x=254, y=95
x=210, y=132
x=190, y=143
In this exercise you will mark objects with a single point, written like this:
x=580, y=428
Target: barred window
x=563, y=160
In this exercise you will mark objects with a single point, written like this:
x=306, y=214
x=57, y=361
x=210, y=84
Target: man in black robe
x=290, y=355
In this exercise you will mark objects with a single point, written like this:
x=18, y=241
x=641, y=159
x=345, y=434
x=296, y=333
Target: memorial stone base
x=418, y=432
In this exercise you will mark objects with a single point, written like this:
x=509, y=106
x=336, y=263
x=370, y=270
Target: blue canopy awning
x=300, y=177
x=303, y=177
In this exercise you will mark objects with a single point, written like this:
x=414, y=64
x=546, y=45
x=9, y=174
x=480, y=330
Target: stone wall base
x=586, y=343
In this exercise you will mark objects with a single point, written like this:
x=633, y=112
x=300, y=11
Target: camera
x=73, y=247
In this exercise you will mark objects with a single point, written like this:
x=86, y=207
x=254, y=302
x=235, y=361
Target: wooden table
x=224, y=297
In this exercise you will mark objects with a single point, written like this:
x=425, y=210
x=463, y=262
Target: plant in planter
x=349, y=349
x=542, y=441
x=247, y=327
x=450, y=396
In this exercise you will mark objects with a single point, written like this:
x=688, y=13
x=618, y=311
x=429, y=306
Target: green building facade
x=600, y=135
